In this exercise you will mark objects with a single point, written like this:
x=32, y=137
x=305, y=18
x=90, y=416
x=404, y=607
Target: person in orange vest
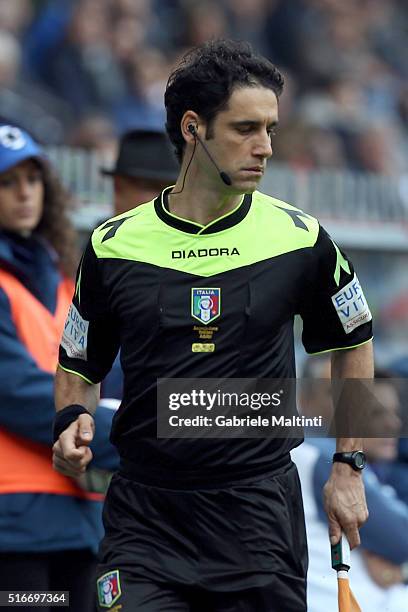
x=50, y=526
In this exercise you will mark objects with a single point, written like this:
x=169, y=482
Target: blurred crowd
x=379, y=567
x=80, y=72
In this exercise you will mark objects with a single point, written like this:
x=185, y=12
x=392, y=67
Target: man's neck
x=201, y=205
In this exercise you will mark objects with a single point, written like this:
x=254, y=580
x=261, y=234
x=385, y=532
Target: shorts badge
x=109, y=589
x=205, y=304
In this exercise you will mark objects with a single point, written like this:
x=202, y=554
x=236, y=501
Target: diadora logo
x=214, y=252
x=205, y=304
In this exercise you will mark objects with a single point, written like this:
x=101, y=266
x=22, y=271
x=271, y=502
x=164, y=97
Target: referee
x=208, y=525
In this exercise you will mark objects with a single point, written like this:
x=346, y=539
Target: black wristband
x=65, y=417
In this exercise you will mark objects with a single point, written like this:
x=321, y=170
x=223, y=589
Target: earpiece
x=223, y=175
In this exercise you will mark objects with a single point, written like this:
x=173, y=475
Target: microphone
x=223, y=175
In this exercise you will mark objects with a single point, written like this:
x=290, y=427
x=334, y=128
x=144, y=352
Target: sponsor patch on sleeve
x=75, y=335
x=351, y=306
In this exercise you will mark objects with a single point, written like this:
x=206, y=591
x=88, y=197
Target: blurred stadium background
x=77, y=73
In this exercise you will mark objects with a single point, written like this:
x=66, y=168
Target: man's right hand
x=71, y=452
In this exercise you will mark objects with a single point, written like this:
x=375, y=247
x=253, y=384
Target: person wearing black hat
x=144, y=166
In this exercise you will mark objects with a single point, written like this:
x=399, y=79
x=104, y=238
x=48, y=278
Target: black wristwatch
x=356, y=459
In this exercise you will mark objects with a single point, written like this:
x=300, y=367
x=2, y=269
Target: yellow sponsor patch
x=203, y=347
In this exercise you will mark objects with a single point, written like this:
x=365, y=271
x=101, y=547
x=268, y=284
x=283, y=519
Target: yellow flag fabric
x=354, y=607
x=346, y=599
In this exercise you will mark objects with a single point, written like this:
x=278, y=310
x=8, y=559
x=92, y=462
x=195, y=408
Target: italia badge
x=205, y=304
x=109, y=589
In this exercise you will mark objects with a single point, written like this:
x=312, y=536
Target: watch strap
x=349, y=457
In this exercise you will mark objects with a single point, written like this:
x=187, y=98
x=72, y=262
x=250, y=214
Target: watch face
x=359, y=460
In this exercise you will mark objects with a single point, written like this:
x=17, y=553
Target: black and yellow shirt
x=182, y=300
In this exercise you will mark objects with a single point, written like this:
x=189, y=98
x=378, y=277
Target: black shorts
x=240, y=548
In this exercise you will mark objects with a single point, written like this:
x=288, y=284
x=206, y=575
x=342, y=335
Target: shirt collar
x=161, y=205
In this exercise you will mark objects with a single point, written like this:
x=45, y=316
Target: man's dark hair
x=205, y=79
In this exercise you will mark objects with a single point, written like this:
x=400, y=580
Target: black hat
x=145, y=154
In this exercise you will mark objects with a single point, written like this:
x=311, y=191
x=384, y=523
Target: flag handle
x=340, y=555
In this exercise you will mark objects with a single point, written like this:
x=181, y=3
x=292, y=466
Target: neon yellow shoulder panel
x=271, y=228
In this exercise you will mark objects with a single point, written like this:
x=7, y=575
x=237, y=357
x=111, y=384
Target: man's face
x=240, y=137
x=130, y=192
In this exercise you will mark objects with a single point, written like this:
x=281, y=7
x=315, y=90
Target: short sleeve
x=90, y=340
x=333, y=307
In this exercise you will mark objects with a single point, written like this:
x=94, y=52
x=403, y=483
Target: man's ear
x=189, y=125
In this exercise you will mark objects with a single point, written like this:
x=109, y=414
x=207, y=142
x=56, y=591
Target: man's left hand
x=345, y=504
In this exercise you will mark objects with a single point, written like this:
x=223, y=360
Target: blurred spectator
x=145, y=165
x=128, y=37
x=377, y=566
x=24, y=102
x=94, y=132
x=15, y=16
x=315, y=388
x=246, y=21
x=9, y=59
x=204, y=20
x=50, y=526
x=44, y=35
x=377, y=149
x=143, y=105
x=397, y=477
x=346, y=62
x=83, y=70
x=282, y=25
x=142, y=9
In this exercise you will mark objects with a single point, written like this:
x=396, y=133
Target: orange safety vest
x=26, y=466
